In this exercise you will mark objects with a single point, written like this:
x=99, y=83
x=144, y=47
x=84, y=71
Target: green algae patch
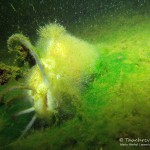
x=9, y=73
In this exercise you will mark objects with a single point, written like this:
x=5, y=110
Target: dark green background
x=30, y=14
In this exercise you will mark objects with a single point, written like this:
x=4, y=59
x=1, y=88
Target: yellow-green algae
x=117, y=103
x=59, y=71
x=8, y=73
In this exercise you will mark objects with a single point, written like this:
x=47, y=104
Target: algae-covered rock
x=9, y=72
